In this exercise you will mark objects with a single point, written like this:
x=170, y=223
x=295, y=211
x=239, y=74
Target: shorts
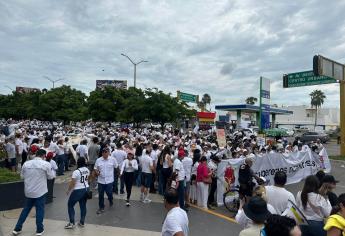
x=146, y=179
x=12, y=162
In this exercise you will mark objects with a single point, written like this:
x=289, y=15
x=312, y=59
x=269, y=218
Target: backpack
x=5, y=130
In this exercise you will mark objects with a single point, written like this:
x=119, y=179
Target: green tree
x=317, y=98
x=251, y=100
x=63, y=103
x=135, y=109
x=105, y=104
x=163, y=108
x=206, y=99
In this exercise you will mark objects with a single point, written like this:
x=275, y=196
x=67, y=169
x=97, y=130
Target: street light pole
x=9, y=87
x=53, y=81
x=135, y=67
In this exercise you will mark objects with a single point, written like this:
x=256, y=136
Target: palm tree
x=316, y=100
x=206, y=99
x=251, y=100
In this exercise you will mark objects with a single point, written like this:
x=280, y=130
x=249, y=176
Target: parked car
x=313, y=136
x=289, y=132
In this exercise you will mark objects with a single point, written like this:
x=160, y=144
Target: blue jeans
x=116, y=183
x=138, y=178
x=77, y=195
x=180, y=192
x=108, y=189
x=39, y=205
x=315, y=228
x=60, y=161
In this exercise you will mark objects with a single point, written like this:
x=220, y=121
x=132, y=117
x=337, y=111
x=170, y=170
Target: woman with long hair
x=166, y=162
x=79, y=186
x=129, y=166
x=314, y=206
x=335, y=224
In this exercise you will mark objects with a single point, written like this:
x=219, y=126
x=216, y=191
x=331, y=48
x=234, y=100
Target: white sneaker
x=40, y=234
x=69, y=226
x=142, y=197
x=127, y=203
x=15, y=232
x=147, y=200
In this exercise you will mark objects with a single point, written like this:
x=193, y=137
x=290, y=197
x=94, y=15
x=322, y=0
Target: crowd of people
x=179, y=165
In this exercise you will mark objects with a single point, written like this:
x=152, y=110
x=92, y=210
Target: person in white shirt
x=314, y=206
x=82, y=150
x=49, y=158
x=178, y=168
x=129, y=166
x=154, y=155
x=60, y=156
x=277, y=195
x=104, y=169
x=147, y=168
x=79, y=184
x=176, y=222
x=120, y=155
x=187, y=163
x=19, y=149
x=35, y=174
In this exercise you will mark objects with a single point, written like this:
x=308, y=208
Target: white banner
x=296, y=165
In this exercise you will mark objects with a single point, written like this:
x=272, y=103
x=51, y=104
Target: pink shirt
x=201, y=172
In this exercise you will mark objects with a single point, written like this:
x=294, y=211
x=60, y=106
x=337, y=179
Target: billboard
x=26, y=89
x=119, y=84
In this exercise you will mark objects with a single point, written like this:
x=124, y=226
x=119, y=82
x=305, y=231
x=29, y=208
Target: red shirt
x=201, y=172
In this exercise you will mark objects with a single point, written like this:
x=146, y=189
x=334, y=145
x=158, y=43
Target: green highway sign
x=305, y=78
x=186, y=97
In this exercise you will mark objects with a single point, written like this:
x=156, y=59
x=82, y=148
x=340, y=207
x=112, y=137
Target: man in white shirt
x=120, y=155
x=147, y=168
x=104, y=168
x=35, y=174
x=19, y=148
x=187, y=166
x=277, y=195
x=178, y=168
x=176, y=221
x=154, y=155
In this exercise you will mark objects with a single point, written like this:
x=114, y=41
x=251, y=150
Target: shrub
x=8, y=176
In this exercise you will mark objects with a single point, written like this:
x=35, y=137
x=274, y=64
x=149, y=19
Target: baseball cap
x=329, y=179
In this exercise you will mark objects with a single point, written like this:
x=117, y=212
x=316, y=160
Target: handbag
x=88, y=193
x=207, y=180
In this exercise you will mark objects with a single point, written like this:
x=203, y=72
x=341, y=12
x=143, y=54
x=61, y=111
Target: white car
x=288, y=131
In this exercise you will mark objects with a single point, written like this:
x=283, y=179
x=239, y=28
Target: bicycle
x=231, y=199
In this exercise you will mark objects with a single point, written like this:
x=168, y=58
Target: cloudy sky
x=203, y=46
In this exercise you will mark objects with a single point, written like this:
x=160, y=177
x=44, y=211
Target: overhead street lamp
x=135, y=67
x=8, y=87
x=53, y=81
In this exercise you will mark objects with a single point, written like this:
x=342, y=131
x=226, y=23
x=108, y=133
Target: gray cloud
x=220, y=48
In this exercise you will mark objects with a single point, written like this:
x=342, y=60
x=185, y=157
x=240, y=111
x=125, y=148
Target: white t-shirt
x=20, y=145
x=54, y=167
x=82, y=150
x=81, y=176
x=165, y=161
x=54, y=147
x=178, y=167
x=279, y=198
x=127, y=168
x=175, y=221
x=145, y=163
x=243, y=220
x=119, y=155
x=317, y=207
x=154, y=156
x=187, y=166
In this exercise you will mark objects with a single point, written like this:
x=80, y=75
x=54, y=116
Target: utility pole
x=135, y=67
x=53, y=81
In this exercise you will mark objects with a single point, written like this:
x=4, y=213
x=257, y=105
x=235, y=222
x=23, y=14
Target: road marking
x=232, y=220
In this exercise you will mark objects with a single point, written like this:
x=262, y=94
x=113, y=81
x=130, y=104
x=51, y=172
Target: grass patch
x=8, y=176
x=338, y=158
